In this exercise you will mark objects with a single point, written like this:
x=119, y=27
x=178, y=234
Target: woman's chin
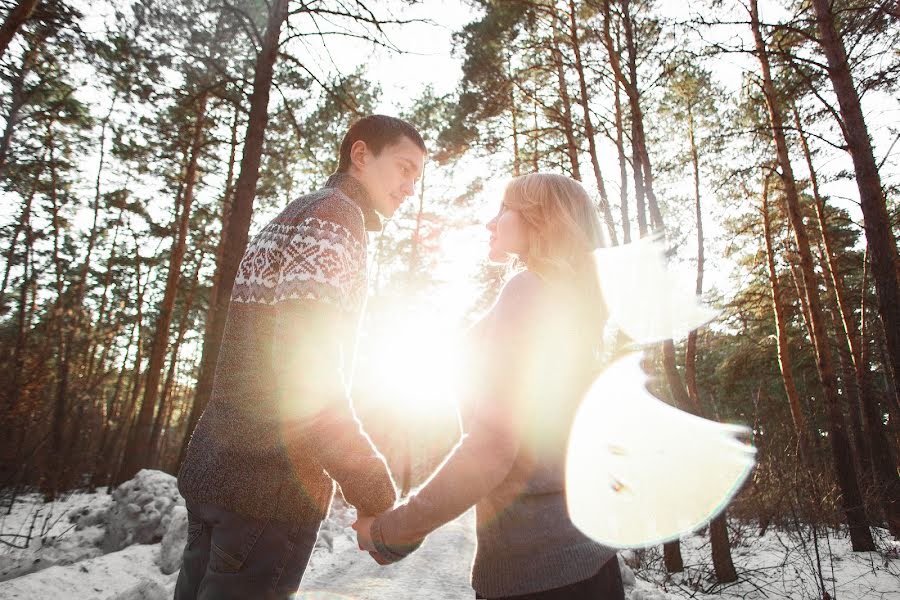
x=497, y=256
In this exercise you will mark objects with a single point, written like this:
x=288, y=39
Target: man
x=279, y=430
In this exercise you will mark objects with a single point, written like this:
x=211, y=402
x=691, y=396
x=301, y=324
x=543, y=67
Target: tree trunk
x=690, y=355
x=20, y=13
x=785, y=362
x=566, y=117
x=515, y=122
x=164, y=400
x=623, y=171
x=236, y=234
x=718, y=529
x=613, y=53
x=136, y=455
x=851, y=499
x=589, y=126
x=879, y=236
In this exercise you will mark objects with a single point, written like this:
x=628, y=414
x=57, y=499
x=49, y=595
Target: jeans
x=605, y=585
x=229, y=555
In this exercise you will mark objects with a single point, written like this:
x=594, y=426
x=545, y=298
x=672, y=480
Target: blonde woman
x=534, y=354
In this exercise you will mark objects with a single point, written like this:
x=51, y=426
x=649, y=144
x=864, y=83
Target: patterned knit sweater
x=279, y=428
x=531, y=364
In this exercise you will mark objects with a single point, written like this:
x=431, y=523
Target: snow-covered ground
x=73, y=553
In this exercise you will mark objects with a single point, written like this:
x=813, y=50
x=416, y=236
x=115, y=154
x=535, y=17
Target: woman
x=534, y=355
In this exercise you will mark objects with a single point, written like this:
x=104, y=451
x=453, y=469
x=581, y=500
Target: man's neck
x=356, y=192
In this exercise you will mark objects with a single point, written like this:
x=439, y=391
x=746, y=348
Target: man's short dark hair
x=377, y=131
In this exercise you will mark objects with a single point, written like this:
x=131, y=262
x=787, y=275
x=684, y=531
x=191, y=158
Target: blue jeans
x=229, y=555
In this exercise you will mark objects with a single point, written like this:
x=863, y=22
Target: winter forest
x=145, y=142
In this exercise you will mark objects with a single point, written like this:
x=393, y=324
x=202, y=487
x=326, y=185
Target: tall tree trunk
x=136, y=456
x=785, y=362
x=613, y=53
x=566, y=116
x=690, y=355
x=718, y=529
x=623, y=171
x=851, y=499
x=589, y=126
x=17, y=361
x=879, y=236
x=20, y=13
x=183, y=323
x=18, y=98
x=513, y=110
x=58, y=323
x=237, y=232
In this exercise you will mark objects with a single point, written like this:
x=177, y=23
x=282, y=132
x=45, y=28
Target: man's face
x=391, y=176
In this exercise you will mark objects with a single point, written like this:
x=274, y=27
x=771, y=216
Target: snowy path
x=439, y=569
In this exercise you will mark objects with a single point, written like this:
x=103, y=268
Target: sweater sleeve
x=485, y=456
x=316, y=313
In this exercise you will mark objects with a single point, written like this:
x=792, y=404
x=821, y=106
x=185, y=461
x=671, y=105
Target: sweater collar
x=356, y=192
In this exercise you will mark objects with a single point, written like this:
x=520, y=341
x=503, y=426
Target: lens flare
x=644, y=298
x=640, y=472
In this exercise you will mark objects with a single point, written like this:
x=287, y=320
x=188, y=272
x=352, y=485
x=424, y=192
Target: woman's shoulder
x=523, y=293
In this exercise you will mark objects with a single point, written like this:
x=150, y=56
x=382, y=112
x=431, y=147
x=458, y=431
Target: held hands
x=363, y=528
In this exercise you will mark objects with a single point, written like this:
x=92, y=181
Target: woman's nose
x=491, y=225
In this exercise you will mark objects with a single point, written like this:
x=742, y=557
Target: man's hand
x=363, y=528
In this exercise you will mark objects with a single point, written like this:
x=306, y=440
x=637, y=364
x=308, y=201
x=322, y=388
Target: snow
x=66, y=557
x=141, y=510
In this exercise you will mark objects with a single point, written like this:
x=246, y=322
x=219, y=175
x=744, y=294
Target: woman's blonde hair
x=563, y=228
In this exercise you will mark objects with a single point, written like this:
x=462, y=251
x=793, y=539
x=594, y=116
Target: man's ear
x=359, y=154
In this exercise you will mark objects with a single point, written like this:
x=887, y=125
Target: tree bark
x=20, y=13
x=620, y=151
x=851, y=498
x=589, y=126
x=566, y=117
x=785, y=362
x=237, y=231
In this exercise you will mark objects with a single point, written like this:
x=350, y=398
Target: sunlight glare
x=415, y=361
x=645, y=299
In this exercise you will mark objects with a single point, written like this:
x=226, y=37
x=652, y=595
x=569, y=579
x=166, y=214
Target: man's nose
x=410, y=188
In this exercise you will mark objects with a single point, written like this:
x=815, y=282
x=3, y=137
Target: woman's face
x=508, y=234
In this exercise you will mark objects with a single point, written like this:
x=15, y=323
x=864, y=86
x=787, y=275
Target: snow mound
x=129, y=574
x=141, y=510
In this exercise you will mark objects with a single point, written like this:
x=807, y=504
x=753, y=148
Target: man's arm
x=320, y=292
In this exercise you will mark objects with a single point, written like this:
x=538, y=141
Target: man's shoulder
x=327, y=208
